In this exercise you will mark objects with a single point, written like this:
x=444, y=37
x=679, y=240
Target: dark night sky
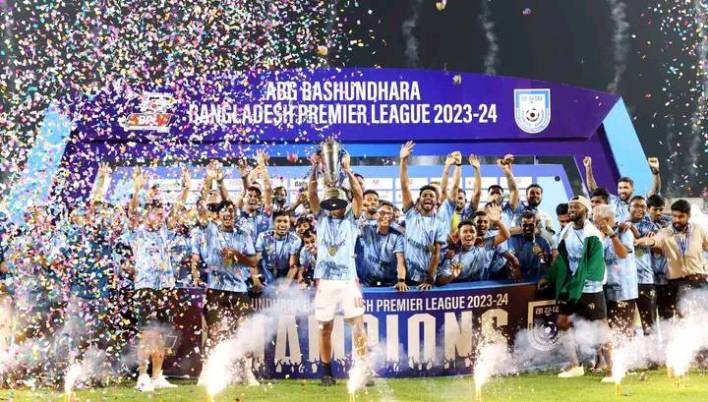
x=563, y=41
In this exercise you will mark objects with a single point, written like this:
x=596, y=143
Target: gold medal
x=431, y=248
x=536, y=249
x=332, y=250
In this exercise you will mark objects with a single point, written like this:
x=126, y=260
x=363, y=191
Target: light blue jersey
x=492, y=256
x=230, y=276
x=91, y=253
x=658, y=265
x=621, y=272
x=377, y=257
x=621, y=208
x=336, y=242
x=507, y=213
x=34, y=285
x=198, y=235
x=255, y=224
x=499, y=259
x=307, y=261
x=422, y=232
x=574, y=239
x=182, y=247
x=471, y=262
x=645, y=272
x=275, y=253
x=151, y=255
x=444, y=216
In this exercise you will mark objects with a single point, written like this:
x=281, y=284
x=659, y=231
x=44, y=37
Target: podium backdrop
x=233, y=114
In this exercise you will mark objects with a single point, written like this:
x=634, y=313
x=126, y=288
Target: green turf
x=530, y=387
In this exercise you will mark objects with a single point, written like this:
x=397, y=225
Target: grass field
x=654, y=386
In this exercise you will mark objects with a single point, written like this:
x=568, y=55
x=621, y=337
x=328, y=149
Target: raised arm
x=505, y=165
x=186, y=184
x=456, y=177
x=182, y=198
x=494, y=215
x=617, y=245
x=357, y=193
x=312, y=185
x=656, y=177
x=267, y=188
x=245, y=172
x=445, y=179
x=103, y=171
x=138, y=183
x=206, y=185
x=647, y=241
x=477, y=191
x=405, y=153
x=202, y=213
x=589, y=178
x=220, y=182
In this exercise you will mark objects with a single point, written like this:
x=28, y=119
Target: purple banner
x=417, y=333
x=360, y=104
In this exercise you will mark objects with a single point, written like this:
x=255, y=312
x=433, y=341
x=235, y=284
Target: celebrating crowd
x=105, y=275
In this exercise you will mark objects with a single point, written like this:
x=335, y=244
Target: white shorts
x=330, y=293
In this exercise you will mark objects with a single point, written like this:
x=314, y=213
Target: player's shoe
x=572, y=372
x=328, y=381
x=161, y=382
x=145, y=384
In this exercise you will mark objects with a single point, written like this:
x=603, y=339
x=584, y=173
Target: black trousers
x=646, y=304
x=678, y=289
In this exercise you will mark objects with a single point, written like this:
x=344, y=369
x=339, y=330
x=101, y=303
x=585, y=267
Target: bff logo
x=542, y=331
x=155, y=116
x=532, y=109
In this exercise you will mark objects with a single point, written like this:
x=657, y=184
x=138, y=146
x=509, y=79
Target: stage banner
x=411, y=334
x=363, y=104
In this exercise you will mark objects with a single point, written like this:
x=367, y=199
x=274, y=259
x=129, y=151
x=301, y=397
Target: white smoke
x=620, y=46
x=225, y=360
x=493, y=358
x=676, y=343
x=93, y=367
x=411, y=41
x=688, y=336
x=491, y=59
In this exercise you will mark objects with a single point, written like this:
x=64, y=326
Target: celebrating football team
x=102, y=276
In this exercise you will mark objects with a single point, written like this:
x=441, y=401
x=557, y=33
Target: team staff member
x=683, y=244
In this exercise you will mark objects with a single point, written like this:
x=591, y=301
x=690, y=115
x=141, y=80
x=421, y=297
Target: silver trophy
x=334, y=195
